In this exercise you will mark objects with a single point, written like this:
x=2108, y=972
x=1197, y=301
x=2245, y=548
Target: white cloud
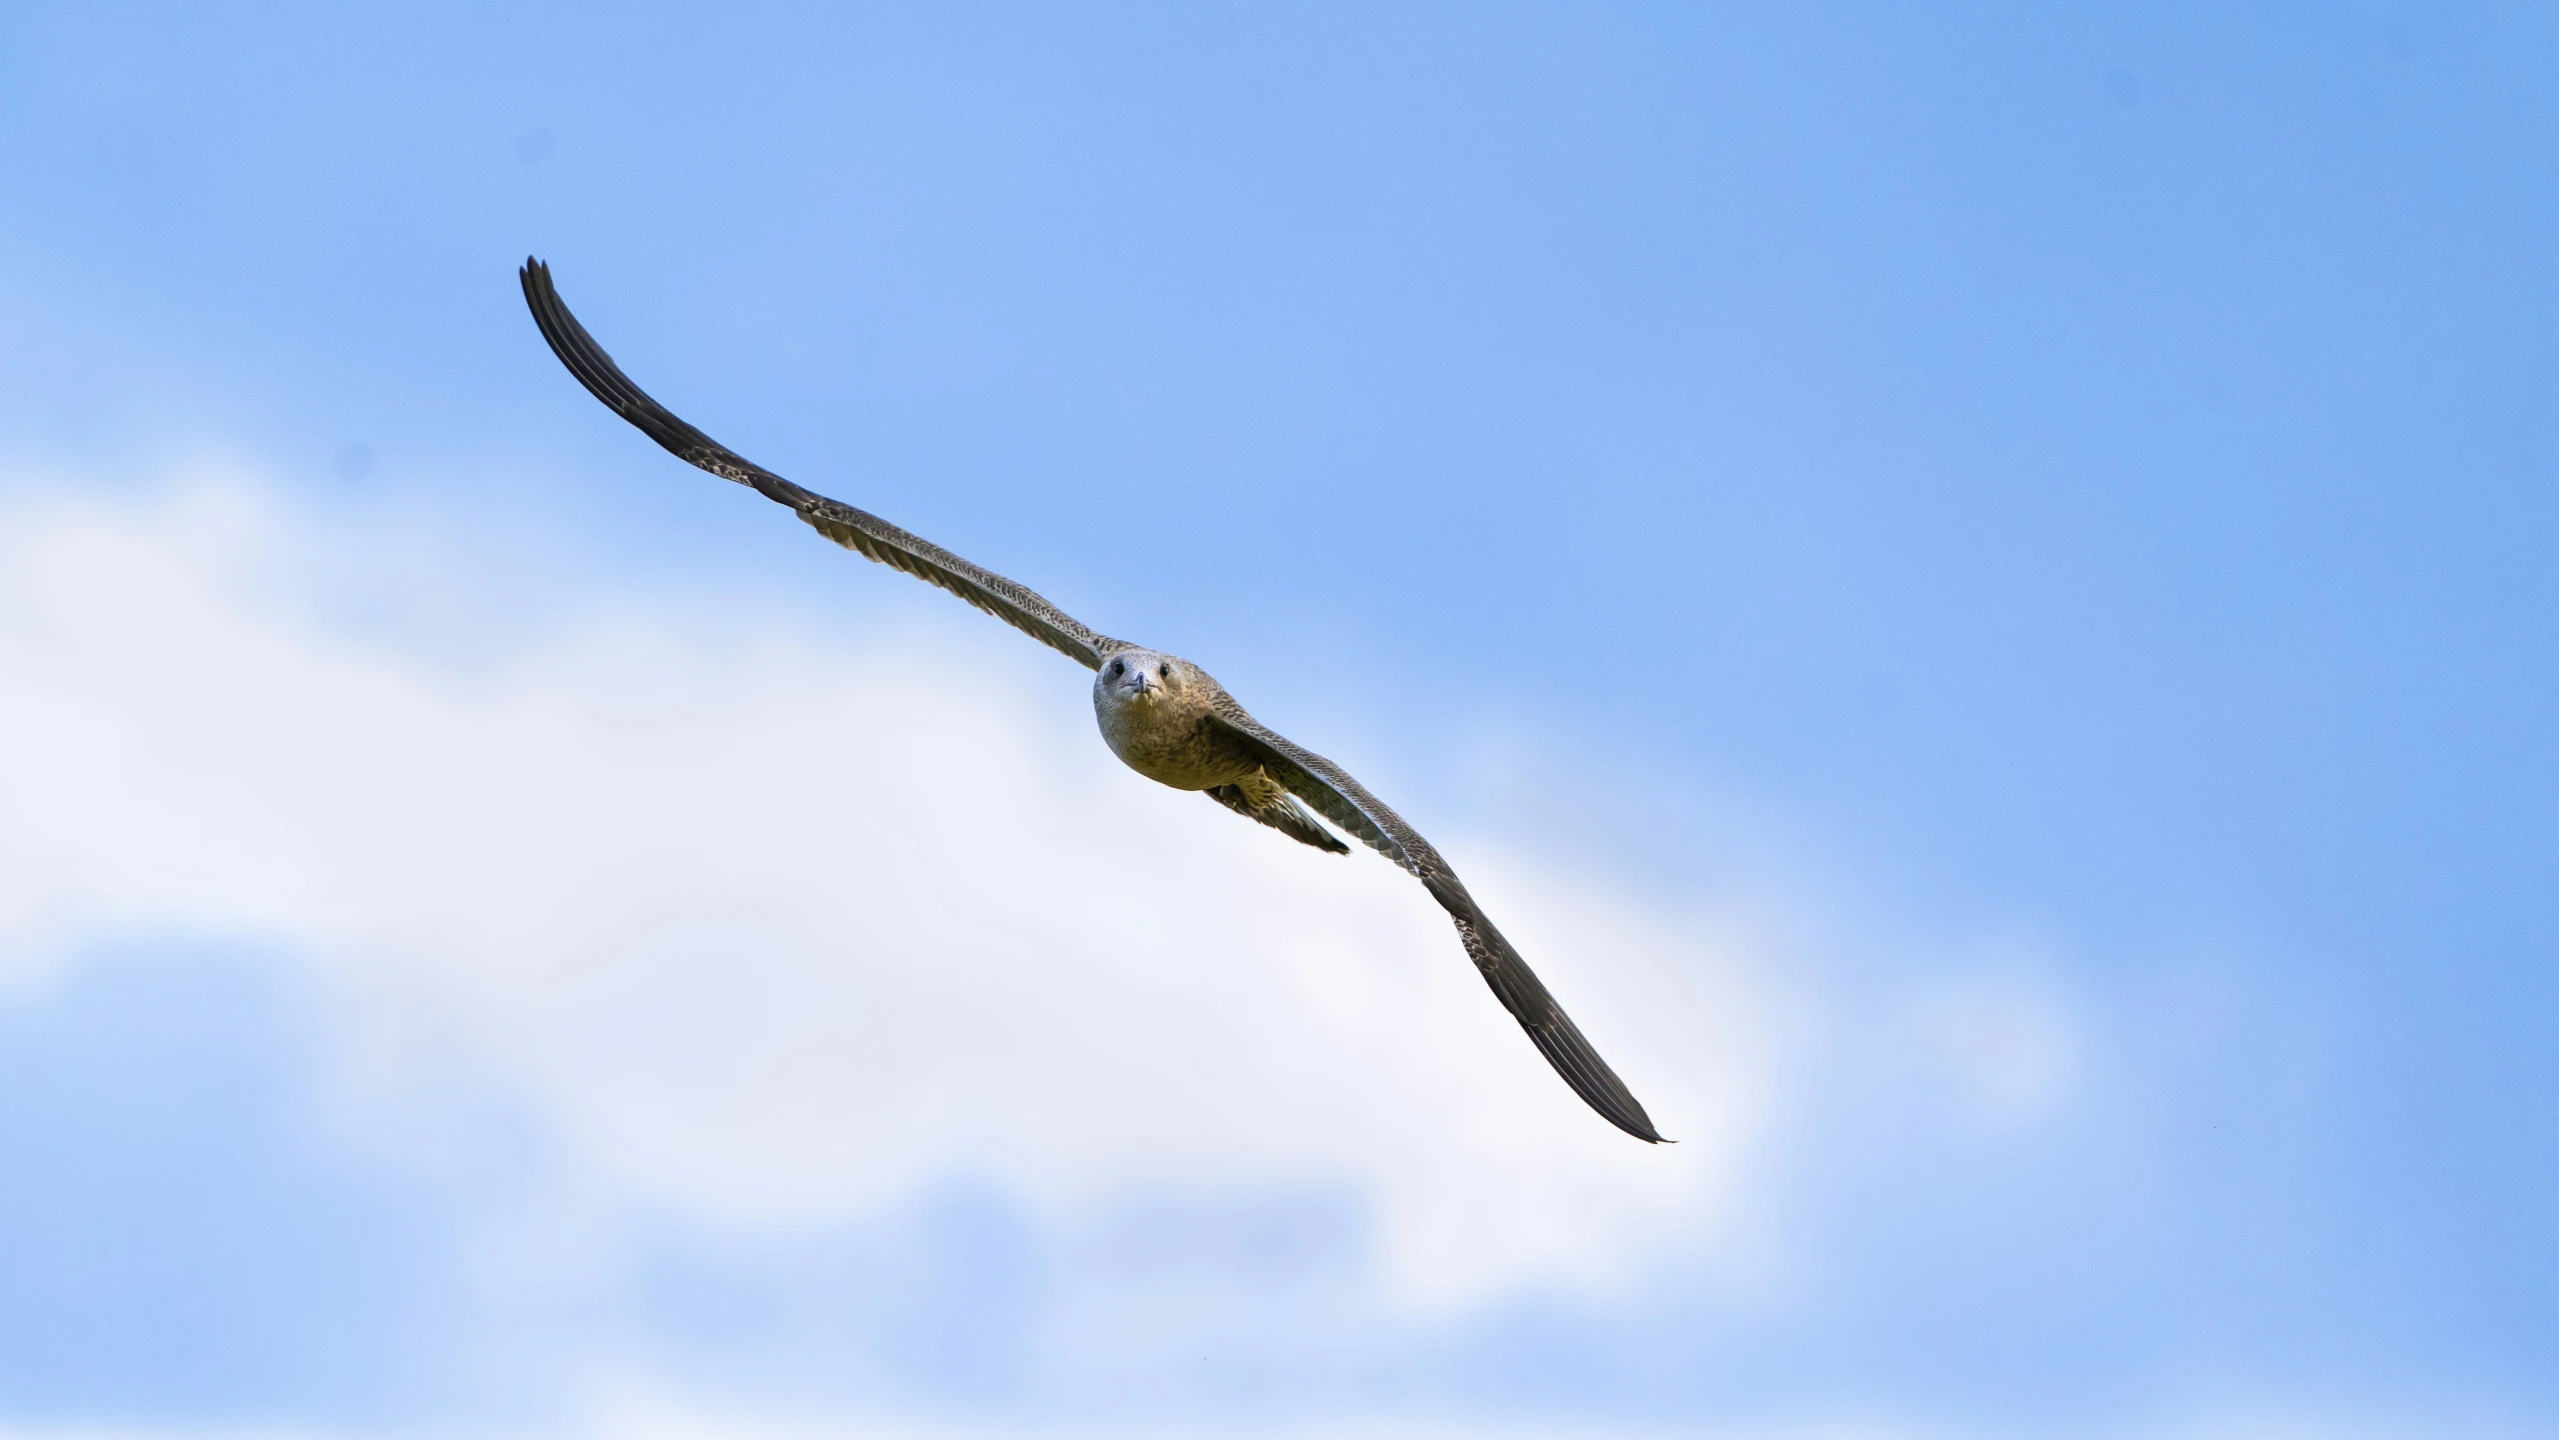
x=776, y=930
x=771, y=930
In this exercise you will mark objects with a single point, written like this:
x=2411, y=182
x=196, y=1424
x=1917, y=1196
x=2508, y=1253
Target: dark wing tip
x=1590, y=1077
x=1553, y=1032
x=1575, y=1060
x=603, y=379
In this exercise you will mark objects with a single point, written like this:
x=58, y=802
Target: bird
x=1163, y=716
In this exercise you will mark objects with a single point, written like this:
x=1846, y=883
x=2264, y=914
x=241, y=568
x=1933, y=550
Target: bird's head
x=1142, y=677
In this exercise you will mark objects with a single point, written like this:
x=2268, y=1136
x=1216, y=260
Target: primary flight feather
x=1161, y=714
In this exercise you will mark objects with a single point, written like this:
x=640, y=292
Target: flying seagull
x=1161, y=714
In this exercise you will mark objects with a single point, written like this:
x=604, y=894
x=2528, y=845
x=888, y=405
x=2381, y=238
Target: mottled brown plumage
x=1164, y=717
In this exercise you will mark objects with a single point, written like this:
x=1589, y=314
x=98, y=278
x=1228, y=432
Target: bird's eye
x=1164, y=672
x=1115, y=669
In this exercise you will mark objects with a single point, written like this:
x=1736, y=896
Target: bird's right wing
x=1344, y=801
x=856, y=530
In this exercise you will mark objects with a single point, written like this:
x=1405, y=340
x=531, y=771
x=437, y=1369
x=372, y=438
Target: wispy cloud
x=796, y=968
x=779, y=931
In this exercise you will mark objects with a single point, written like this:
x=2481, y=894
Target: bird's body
x=1158, y=715
x=1168, y=720
x=1162, y=715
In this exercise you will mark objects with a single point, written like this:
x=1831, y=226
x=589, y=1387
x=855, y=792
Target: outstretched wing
x=855, y=530
x=1344, y=801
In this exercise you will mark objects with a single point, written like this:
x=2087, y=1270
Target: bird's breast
x=1170, y=743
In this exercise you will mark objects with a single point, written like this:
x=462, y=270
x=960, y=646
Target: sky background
x=1972, y=584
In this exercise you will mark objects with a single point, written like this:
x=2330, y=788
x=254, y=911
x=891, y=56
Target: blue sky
x=1974, y=585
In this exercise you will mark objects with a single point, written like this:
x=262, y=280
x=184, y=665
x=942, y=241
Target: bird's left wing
x=856, y=530
x=1344, y=801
